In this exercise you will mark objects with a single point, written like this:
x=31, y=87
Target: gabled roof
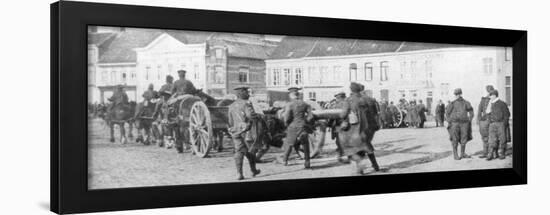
x=99, y=38
x=242, y=50
x=122, y=48
x=298, y=47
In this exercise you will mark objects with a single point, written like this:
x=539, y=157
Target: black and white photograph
x=181, y=107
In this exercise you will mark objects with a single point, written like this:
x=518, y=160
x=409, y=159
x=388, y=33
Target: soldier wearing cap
x=240, y=121
x=119, y=97
x=483, y=120
x=297, y=117
x=498, y=116
x=357, y=130
x=167, y=87
x=459, y=115
x=148, y=95
x=183, y=86
x=335, y=124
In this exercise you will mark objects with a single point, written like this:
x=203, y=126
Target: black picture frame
x=69, y=190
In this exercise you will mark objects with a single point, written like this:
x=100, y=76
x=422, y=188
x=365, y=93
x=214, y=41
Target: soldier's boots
x=356, y=161
x=463, y=151
x=372, y=159
x=502, y=153
x=491, y=155
x=252, y=162
x=455, y=152
x=485, y=151
x=239, y=165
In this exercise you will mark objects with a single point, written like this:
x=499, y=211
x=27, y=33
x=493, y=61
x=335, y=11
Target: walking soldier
x=483, y=121
x=297, y=116
x=498, y=114
x=240, y=121
x=459, y=115
x=357, y=130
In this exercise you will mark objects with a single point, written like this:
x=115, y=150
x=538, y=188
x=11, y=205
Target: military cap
x=458, y=91
x=240, y=89
x=342, y=94
x=169, y=77
x=489, y=88
x=356, y=87
x=294, y=89
x=493, y=93
x=181, y=71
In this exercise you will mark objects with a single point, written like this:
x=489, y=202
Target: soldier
x=483, y=121
x=459, y=115
x=169, y=84
x=148, y=95
x=119, y=97
x=297, y=116
x=183, y=86
x=240, y=121
x=358, y=129
x=393, y=111
x=498, y=115
x=421, y=111
x=439, y=114
x=335, y=125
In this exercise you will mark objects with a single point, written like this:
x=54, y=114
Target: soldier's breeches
x=239, y=144
x=459, y=133
x=497, y=135
x=484, y=131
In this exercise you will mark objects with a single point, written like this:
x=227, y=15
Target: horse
x=120, y=115
x=144, y=121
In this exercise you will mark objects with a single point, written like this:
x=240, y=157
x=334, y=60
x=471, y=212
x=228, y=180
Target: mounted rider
x=181, y=87
x=118, y=98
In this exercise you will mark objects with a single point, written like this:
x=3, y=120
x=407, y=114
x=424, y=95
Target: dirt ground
x=402, y=150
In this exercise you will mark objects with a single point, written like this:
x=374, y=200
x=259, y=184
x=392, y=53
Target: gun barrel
x=328, y=113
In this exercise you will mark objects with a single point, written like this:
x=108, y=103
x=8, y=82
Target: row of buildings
x=218, y=62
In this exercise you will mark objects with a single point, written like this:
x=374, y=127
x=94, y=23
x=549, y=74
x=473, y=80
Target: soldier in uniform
x=499, y=116
x=240, y=121
x=119, y=97
x=148, y=95
x=335, y=125
x=359, y=127
x=483, y=121
x=297, y=117
x=439, y=114
x=183, y=86
x=169, y=84
x=421, y=111
x=459, y=115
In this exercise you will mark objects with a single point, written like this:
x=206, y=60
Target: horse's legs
x=123, y=139
x=130, y=129
x=112, y=132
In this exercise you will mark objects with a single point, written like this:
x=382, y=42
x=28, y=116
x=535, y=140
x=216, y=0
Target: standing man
x=297, y=116
x=439, y=114
x=393, y=112
x=335, y=125
x=459, y=115
x=183, y=86
x=240, y=122
x=167, y=87
x=499, y=116
x=483, y=120
x=421, y=111
x=357, y=131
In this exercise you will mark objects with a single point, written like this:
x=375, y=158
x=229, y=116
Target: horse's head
x=207, y=99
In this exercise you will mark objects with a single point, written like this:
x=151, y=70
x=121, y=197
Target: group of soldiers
x=493, y=118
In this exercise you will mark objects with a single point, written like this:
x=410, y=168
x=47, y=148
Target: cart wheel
x=200, y=129
x=398, y=119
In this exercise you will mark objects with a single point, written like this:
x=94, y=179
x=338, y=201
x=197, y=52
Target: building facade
x=390, y=70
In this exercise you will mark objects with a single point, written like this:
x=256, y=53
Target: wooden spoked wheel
x=398, y=119
x=200, y=129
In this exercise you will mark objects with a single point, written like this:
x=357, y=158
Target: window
x=403, y=69
x=124, y=77
x=413, y=93
x=219, y=53
x=298, y=76
x=413, y=69
x=312, y=96
x=147, y=72
x=269, y=77
x=287, y=76
x=402, y=93
x=325, y=75
x=276, y=77
x=508, y=54
x=428, y=66
x=133, y=74
x=104, y=76
x=384, y=67
x=508, y=89
x=313, y=75
x=444, y=89
x=159, y=72
x=368, y=71
x=218, y=75
x=353, y=72
x=243, y=75
x=336, y=73
x=487, y=66
x=113, y=76
x=196, y=71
